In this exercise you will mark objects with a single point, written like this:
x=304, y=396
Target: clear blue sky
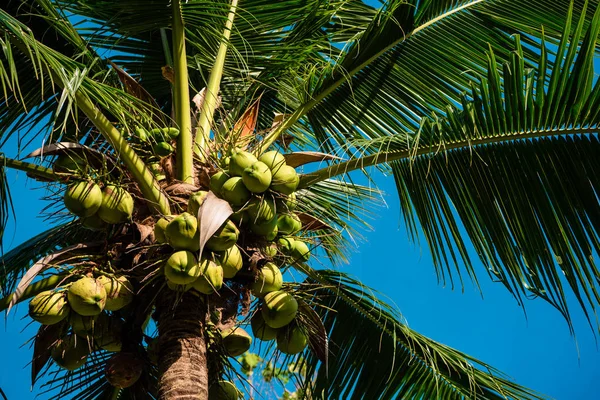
x=536, y=350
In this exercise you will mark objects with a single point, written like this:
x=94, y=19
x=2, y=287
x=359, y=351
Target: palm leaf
x=385, y=359
x=514, y=165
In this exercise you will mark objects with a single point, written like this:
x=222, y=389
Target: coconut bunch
x=88, y=309
x=161, y=143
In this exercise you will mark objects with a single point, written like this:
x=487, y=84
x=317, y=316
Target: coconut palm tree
x=484, y=112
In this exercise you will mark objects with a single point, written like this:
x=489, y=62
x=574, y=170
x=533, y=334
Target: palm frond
x=513, y=164
x=385, y=359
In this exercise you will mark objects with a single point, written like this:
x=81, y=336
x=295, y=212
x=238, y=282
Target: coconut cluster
x=161, y=141
x=87, y=308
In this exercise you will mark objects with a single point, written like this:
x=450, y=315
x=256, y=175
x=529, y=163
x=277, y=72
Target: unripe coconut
x=289, y=224
x=273, y=159
x=160, y=229
x=70, y=352
x=223, y=390
x=94, y=223
x=279, y=309
x=157, y=171
x=82, y=326
x=163, y=149
x=164, y=134
x=286, y=245
x=217, y=181
x=231, y=261
x=261, y=210
x=300, y=252
x=87, y=296
x=211, y=279
x=141, y=134
x=265, y=229
x=69, y=164
x=234, y=191
x=108, y=331
x=83, y=198
x=49, y=307
x=119, y=292
x=240, y=160
x=117, y=205
x=224, y=238
x=271, y=236
x=285, y=180
x=257, y=177
x=236, y=341
x=195, y=201
x=269, y=280
x=291, y=341
x=270, y=250
x=224, y=163
x=182, y=268
x=182, y=232
x=260, y=329
x=123, y=370
x=178, y=288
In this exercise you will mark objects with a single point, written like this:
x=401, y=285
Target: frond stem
x=385, y=157
x=30, y=168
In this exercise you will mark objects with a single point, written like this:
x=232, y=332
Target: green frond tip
x=384, y=359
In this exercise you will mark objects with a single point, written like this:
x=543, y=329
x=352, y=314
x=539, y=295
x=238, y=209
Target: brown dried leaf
x=244, y=127
x=304, y=157
x=168, y=73
x=181, y=188
x=41, y=265
x=317, y=335
x=133, y=87
x=212, y=214
x=42, y=347
x=311, y=223
x=145, y=232
x=92, y=155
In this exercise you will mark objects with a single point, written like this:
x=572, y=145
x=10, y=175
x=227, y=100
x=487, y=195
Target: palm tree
x=484, y=112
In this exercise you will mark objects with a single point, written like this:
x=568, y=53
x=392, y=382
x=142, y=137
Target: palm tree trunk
x=182, y=362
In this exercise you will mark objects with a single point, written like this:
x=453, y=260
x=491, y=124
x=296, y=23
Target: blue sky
x=535, y=349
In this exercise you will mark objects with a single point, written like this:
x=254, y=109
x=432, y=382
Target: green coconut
x=182, y=268
x=182, y=232
x=260, y=329
x=160, y=229
x=240, y=160
x=87, y=296
x=217, y=181
x=300, y=251
x=279, y=309
x=123, y=370
x=157, y=171
x=163, y=149
x=286, y=245
x=265, y=229
x=285, y=180
x=223, y=238
x=69, y=164
x=119, y=292
x=195, y=201
x=289, y=224
x=291, y=202
x=178, y=288
x=82, y=326
x=83, y=198
x=164, y=134
x=270, y=250
x=261, y=210
x=257, y=177
x=269, y=280
x=236, y=341
x=171, y=133
x=108, y=331
x=117, y=205
x=291, y=341
x=141, y=134
x=49, y=307
x=70, y=352
x=273, y=159
x=223, y=390
x=231, y=261
x=211, y=279
x=224, y=162
x=234, y=191
x=94, y=223
x=271, y=236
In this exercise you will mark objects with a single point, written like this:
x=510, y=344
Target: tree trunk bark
x=182, y=361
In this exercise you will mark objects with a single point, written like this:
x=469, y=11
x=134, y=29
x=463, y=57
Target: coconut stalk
x=181, y=99
x=211, y=95
x=31, y=169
